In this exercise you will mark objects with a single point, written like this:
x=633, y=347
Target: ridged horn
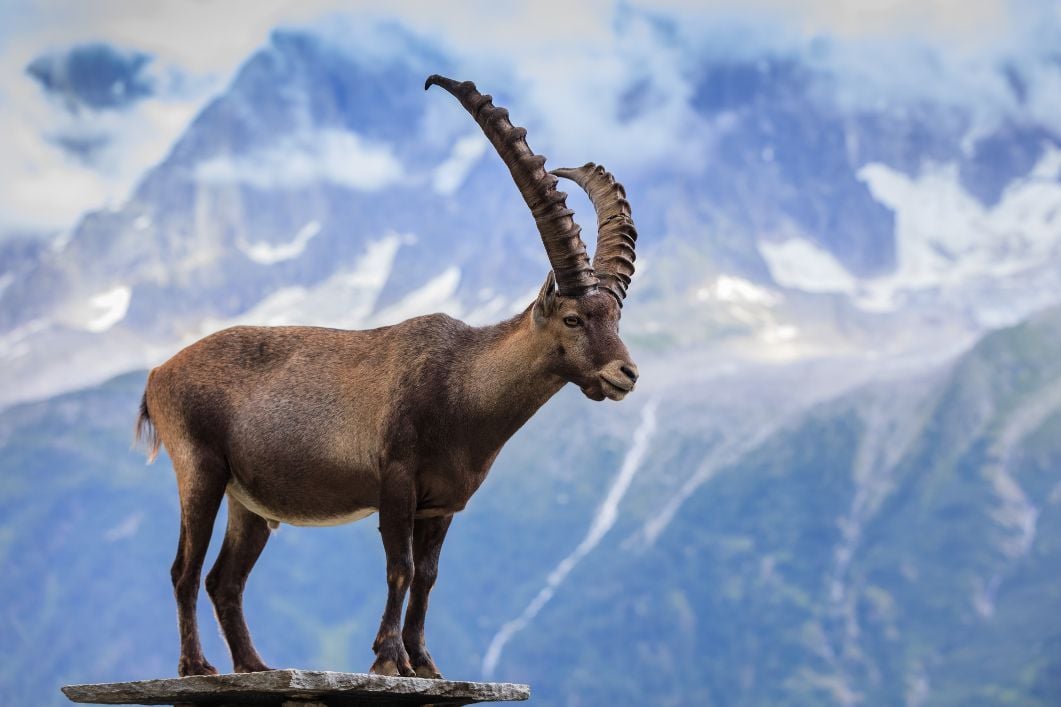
x=613, y=261
x=559, y=232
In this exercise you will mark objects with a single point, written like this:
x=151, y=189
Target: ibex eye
x=572, y=321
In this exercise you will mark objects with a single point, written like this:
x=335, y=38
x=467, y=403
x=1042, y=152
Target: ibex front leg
x=397, y=506
x=428, y=535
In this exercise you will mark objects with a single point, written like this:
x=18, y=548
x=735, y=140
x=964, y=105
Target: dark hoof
x=422, y=662
x=251, y=668
x=195, y=666
x=428, y=671
x=391, y=659
x=385, y=666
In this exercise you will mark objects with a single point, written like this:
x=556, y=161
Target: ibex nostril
x=630, y=371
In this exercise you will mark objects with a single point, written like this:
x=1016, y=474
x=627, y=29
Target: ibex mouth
x=593, y=392
x=613, y=389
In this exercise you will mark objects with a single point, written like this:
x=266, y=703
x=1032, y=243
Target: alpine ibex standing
x=312, y=426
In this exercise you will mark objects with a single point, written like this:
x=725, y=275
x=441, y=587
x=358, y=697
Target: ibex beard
x=313, y=426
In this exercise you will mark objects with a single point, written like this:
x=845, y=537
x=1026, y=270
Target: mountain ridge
x=799, y=193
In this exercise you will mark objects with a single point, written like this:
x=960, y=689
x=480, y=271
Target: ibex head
x=577, y=311
x=581, y=337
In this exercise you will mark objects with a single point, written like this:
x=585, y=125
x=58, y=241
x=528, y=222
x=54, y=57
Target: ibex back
x=312, y=426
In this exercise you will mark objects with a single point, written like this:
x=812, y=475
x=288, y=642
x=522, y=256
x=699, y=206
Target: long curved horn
x=559, y=232
x=614, y=258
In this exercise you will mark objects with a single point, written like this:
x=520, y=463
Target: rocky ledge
x=291, y=688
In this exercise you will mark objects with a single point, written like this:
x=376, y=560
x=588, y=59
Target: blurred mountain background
x=839, y=482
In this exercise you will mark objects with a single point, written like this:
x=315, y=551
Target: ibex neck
x=509, y=377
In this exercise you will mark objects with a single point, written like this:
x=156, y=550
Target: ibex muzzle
x=312, y=426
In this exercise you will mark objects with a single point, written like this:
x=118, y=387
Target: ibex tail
x=146, y=433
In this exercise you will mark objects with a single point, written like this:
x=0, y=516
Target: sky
x=63, y=158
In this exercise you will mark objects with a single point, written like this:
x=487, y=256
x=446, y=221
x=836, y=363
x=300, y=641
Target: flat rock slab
x=297, y=687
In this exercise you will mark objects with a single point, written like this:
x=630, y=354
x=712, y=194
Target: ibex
x=313, y=426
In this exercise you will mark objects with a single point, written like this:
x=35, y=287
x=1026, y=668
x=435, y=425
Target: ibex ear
x=545, y=305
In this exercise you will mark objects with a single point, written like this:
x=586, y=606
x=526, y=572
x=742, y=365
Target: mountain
x=893, y=542
x=894, y=545
x=325, y=187
x=837, y=483
x=298, y=195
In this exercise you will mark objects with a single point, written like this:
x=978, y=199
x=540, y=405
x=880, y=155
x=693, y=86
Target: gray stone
x=296, y=688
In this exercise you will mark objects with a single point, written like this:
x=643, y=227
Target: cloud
x=205, y=37
x=96, y=76
x=449, y=175
x=293, y=162
x=58, y=164
x=802, y=265
x=80, y=124
x=201, y=37
x=600, y=80
x=978, y=21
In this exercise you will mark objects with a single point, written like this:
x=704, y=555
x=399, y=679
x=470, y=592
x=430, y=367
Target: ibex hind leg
x=428, y=536
x=201, y=481
x=245, y=538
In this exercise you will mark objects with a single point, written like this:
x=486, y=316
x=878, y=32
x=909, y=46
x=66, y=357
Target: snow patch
x=61, y=241
x=344, y=300
x=450, y=175
x=945, y=238
x=602, y=523
x=737, y=290
x=487, y=312
x=728, y=452
x=521, y=301
x=348, y=298
x=301, y=160
x=16, y=342
x=108, y=308
x=780, y=333
x=1014, y=511
x=948, y=244
x=268, y=254
x=438, y=294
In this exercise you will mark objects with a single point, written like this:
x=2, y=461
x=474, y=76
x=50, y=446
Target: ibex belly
x=285, y=513
x=290, y=464
x=295, y=486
